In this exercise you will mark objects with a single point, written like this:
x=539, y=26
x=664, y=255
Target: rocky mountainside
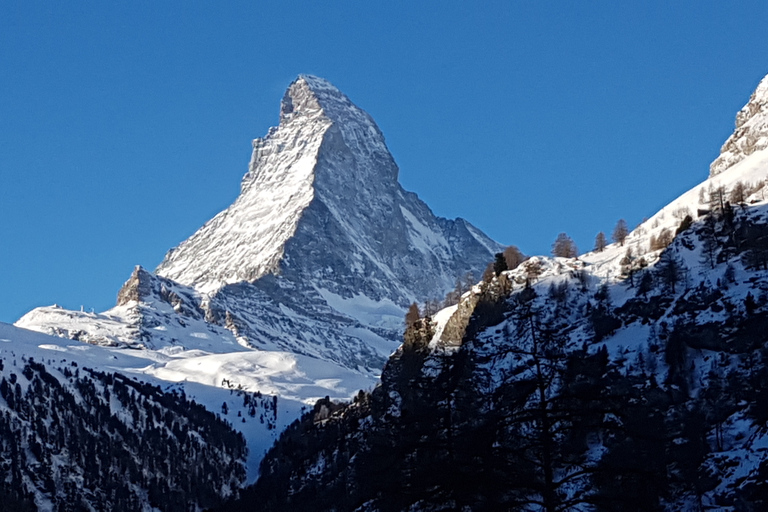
x=629, y=379
x=319, y=255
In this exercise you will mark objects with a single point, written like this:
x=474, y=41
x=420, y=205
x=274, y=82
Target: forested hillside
x=74, y=438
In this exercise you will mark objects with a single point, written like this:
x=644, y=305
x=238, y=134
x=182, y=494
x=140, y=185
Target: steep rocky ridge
x=319, y=254
x=555, y=388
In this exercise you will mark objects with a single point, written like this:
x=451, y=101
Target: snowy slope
x=605, y=382
x=697, y=332
x=247, y=240
x=751, y=171
x=74, y=436
x=211, y=379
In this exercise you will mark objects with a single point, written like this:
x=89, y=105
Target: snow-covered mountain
x=633, y=378
x=630, y=378
x=299, y=288
x=319, y=255
x=321, y=203
x=74, y=435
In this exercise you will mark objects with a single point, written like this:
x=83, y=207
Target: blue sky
x=124, y=126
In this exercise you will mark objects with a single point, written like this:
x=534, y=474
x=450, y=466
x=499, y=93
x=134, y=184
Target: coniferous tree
x=627, y=266
x=431, y=307
x=513, y=257
x=686, y=223
x=620, y=232
x=718, y=196
x=600, y=242
x=662, y=240
x=413, y=315
x=500, y=264
x=533, y=422
x=670, y=270
x=564, y=247
x=709, y=241
x=738, y=193
x=646, y=283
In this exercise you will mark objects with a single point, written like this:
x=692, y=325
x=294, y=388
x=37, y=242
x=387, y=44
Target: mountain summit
x=321, y=201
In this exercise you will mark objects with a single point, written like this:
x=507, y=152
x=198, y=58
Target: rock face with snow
x=321, y=203
x=634, y=378
x=315, y=262
x=751, y=132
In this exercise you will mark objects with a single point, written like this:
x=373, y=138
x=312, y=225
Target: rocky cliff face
x=751, y=132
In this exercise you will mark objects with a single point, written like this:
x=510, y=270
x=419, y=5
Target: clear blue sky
x=126, y=125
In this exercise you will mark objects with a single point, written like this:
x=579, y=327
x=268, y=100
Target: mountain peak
x=321, y=201
x=312, y=95
x=751, y=133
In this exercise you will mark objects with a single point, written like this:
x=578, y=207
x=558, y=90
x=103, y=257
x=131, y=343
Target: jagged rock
x=751, y=132
x=136, y=288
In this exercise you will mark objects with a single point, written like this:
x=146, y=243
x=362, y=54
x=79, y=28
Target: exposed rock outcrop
x=751, y=132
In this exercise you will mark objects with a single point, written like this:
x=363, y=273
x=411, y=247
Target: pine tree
x=717, y=198
x=431, y=307
x=600, y=242
x=662, y=240
x=513, y=257
x=500, y=264
x=669, y=270
x=620, y=232
x=534, y=423
x=646, y=284
x=710, y=244
x=627, y=267
x=564, y=247
x=413, y=315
